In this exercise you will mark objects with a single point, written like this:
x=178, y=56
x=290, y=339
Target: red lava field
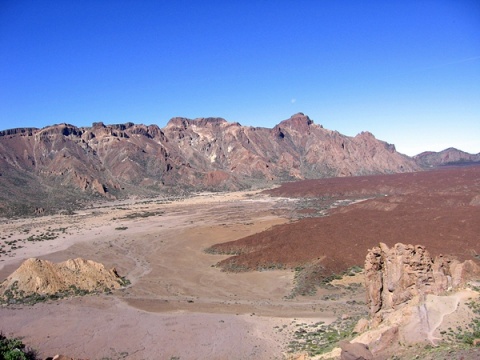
x=439, y=209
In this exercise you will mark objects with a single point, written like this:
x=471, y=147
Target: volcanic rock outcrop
x=42, y=277
x=406, y=273
x=410, y=296
x=64, y=163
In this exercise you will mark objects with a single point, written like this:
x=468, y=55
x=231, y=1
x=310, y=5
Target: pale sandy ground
x=179, y=304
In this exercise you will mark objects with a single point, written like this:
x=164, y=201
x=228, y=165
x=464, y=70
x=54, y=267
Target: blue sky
x=407, y=71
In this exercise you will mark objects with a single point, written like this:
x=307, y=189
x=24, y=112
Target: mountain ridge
x=449, y=156
x=66, y=163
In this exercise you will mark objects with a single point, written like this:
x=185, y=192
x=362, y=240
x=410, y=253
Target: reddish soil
x=439, y=209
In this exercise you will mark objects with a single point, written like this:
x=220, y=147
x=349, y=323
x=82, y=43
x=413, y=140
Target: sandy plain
x=179, y=304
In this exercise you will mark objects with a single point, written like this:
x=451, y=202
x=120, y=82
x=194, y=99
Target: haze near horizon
x=407, y=71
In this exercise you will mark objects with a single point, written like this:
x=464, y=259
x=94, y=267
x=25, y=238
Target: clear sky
x=407, y=71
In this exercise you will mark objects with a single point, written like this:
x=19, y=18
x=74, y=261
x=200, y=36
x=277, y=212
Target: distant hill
x=62, y=166
x=450, y=156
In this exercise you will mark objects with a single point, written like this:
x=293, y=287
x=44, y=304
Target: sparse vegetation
x=14, y=296
x=124, y=281
x=466, y=333
x=270, y=266
x=49, y=235
x=307, y=278
x=320, y=338
x=213, y=250
x=143, y=214
x=311, y=276
x=232, y=266
x=15, y=349
x=14, y=244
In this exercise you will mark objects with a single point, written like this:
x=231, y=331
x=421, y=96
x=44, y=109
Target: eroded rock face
x=406, y=273
x=408, y=298
x=43, y=277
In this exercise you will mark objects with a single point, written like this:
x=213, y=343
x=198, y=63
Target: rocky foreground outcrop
x=37, y=277
x=44, y=167
x=411, y=297
x=406, y=274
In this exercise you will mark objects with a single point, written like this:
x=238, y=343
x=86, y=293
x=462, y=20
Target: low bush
x=15, y=349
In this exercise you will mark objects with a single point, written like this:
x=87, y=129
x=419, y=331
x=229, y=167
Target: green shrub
x=14, y=349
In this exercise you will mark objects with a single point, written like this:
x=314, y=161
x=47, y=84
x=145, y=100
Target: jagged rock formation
x=63, y=162
x=406, y=273
x=412, y=298
x=450, y=156
x=42, y=277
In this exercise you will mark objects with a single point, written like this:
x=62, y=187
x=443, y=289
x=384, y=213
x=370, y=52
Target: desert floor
x=179, y=304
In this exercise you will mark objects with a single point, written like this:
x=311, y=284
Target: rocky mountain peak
x=366, y=134
x=299, y=122
x=61, y=130
x=177, y=122
x=209, y=121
